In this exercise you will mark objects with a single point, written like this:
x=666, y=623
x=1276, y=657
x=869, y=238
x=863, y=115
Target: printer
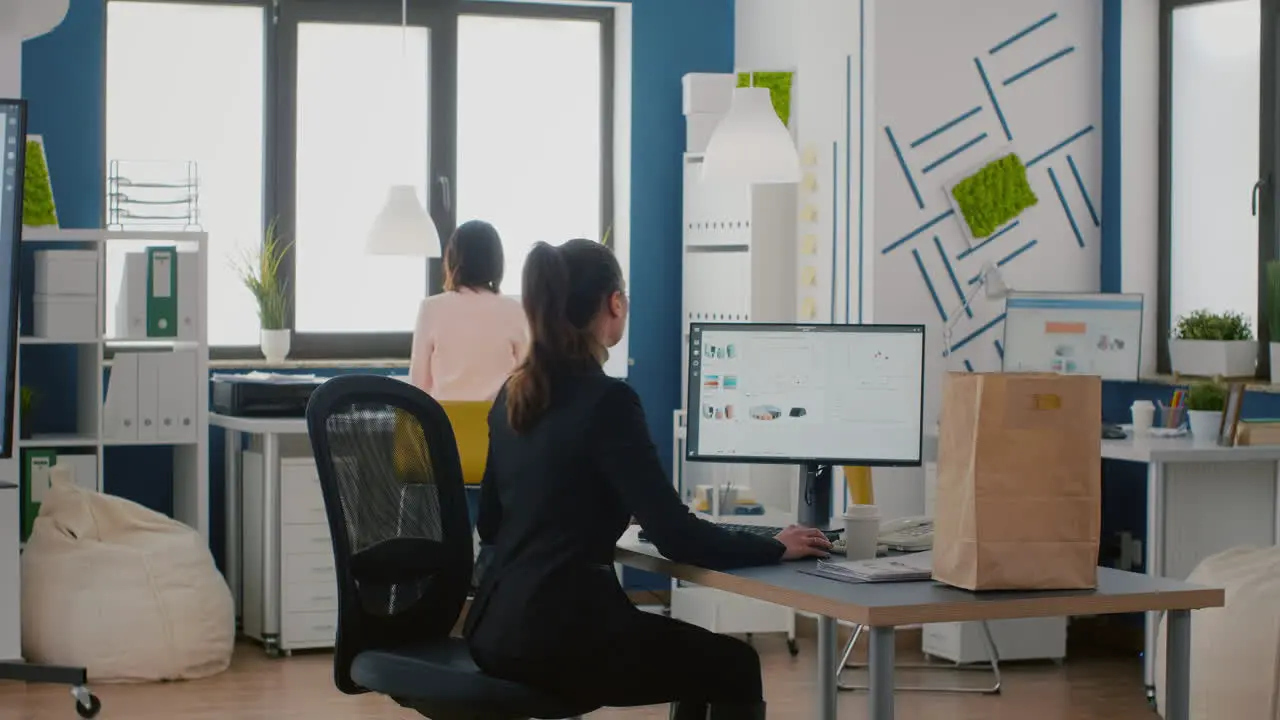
x=263, y=395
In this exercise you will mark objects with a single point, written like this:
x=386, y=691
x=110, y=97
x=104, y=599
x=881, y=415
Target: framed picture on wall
x=1231, y=415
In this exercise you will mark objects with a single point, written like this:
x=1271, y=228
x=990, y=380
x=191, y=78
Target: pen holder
x=1170, y=417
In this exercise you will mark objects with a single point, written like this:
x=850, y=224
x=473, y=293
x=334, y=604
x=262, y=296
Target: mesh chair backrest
x=394, y=498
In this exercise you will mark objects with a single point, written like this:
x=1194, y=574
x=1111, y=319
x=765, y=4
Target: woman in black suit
x=570, y=463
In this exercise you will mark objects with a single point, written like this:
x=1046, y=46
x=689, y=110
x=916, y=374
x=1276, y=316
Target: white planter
x=275, y=344
x=1274, y=349
x=1210, y=358
x=1205, y=425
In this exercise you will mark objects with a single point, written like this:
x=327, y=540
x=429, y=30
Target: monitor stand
x=813, y=505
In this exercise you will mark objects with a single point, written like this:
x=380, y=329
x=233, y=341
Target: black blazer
x=554, y=503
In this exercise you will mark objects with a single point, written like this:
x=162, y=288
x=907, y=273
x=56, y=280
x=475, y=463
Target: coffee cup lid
x=1143, y=404
x=860, y=512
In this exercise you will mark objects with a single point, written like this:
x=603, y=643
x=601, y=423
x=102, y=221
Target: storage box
x=708, y=93
x=1214, y=358
x=66, y=272
x=66, y=317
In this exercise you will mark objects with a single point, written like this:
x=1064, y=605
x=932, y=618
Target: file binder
x=131, y=308
x=149, y=365
x=36, y=465
x=177, y=396
x=120, y=416
x=188, y=295
x=162, y=292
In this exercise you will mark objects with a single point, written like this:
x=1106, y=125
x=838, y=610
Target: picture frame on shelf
x=1231, y=415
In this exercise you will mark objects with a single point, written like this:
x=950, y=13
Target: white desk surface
x=1152, y=449
x=280, y=426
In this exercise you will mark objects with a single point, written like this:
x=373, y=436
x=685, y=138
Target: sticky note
x=809, y=183
x=809, y=214
x=809, y=275
x=808, y=309
x=809, y=244
x=809, y=157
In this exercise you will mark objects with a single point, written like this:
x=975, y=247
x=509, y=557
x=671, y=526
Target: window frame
x=281, y=18
x=1267, y=192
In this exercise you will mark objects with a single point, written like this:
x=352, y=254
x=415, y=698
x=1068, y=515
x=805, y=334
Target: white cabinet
x=297, y=608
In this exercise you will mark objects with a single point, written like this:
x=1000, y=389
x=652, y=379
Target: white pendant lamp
x=751, y=145
x=27, y=19
x=404, y=227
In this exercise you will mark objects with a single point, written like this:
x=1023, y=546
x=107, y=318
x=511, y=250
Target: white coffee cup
x=861, y=531
x=1144, y=414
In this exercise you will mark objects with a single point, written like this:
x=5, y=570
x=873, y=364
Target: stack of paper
x=902, y=568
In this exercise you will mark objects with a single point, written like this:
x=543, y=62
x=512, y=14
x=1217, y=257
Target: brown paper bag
x=1019, y=500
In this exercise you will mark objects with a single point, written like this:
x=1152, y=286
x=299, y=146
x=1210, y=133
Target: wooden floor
x=301, y=688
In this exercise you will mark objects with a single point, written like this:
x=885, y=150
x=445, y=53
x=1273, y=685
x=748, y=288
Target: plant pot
x=1274, y=349
x=275, y=344
x=1212, y=358
x=1205, y=425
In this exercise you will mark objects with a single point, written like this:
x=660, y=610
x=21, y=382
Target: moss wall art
x=994, y=195
x=38, y=209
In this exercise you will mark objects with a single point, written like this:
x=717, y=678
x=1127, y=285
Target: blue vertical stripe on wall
x=1111, y=271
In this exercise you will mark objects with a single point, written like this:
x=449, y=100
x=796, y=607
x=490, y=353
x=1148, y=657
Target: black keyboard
x=762, y=530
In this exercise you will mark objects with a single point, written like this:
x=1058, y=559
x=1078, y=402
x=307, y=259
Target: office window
x=1218, y=135
x=530, y=135
x=185, y=83
x=362, y=126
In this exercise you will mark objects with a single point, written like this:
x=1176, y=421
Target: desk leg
x=1178, y=669
x=234, y=533
x=1154, y=567
x=827, y=690
x=271, y=541
x=880, y=658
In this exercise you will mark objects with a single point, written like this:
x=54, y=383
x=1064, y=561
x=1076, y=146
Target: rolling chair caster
x=87, y=704
x=793, y=647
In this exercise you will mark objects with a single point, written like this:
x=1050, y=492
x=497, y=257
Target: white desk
x=1201, y=499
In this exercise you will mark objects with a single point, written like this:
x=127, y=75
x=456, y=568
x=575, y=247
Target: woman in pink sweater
x=469, y=338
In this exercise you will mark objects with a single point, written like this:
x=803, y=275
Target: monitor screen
x=13, y=136
x=1074, y=334
x=811, y=394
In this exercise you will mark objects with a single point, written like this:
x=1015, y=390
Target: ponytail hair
x=565, y=289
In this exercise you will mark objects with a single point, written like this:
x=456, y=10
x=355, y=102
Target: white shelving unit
x=739, y=266
x=190, y=456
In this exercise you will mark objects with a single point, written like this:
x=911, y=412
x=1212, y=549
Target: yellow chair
x=470, y=422
x=858, y=481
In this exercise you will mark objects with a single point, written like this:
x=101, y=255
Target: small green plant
x=1273, y=299
x=607, y=240
x=994, y=195
x=260, y=273
x=1210, y=396
x=1204, y=325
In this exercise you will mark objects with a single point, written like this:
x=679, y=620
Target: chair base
x=436, y=711
x=993, y=658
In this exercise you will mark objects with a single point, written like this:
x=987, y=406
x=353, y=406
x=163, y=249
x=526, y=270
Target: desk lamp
x=992, y=282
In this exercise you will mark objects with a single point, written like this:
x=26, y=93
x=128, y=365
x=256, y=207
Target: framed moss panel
x=38, y=209
x=779, y=84
x=994, y=194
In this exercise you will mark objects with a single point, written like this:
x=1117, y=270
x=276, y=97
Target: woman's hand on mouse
x=802, y=542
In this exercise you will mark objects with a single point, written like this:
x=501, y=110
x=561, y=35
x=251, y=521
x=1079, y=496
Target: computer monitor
x=13, y=145
x=1074, y=333
x=817, y=396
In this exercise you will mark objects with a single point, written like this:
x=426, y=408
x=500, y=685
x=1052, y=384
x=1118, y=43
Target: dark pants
x=653, y=661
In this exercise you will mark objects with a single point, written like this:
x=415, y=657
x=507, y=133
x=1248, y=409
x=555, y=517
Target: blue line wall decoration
x=951, y=273
x=1007, y=259
x=991, y=94
x=1065, y=207
x=999, y=349
x=982, y=329
x=848, y=174
x=915, y=191
x=945, y=126
x=928, y=283
x=934, y=165
x=1074, y=137
x=988, y=240
x=928, y=224
x=1036, y=66
x=1023, y=33
x=1084, y=192
x=968, y=366
x=835, y=225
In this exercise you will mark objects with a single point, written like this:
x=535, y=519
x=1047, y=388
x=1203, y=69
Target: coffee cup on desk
x=861, y=531
x=1144, y=414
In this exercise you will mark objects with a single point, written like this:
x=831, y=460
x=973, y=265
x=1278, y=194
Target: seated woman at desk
x=469, y=338
x=570, y=463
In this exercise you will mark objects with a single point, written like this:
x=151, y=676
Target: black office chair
x=394, y=497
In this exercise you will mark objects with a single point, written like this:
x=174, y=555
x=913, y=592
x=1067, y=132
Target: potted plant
x=1213, y=345
x=1273, y=316
x=1205, y=403
x=260, y=273
x=26, y=406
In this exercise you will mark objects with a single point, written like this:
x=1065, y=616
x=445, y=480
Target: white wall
x=1139, y=142
x=10, y=66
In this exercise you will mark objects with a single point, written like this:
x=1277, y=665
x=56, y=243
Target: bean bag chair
x=1235, y=650
x=128, y=594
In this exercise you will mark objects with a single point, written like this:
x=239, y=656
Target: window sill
x=1251, y=384
x=262, y=364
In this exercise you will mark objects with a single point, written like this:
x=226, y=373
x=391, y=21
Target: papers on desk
x=901, y=568
x=266, y=378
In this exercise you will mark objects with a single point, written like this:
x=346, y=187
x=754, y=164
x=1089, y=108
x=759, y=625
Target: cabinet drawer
x=305, y=539
x=308, y=568
x=309, y=627
x=301, y=502
x=311, y=597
